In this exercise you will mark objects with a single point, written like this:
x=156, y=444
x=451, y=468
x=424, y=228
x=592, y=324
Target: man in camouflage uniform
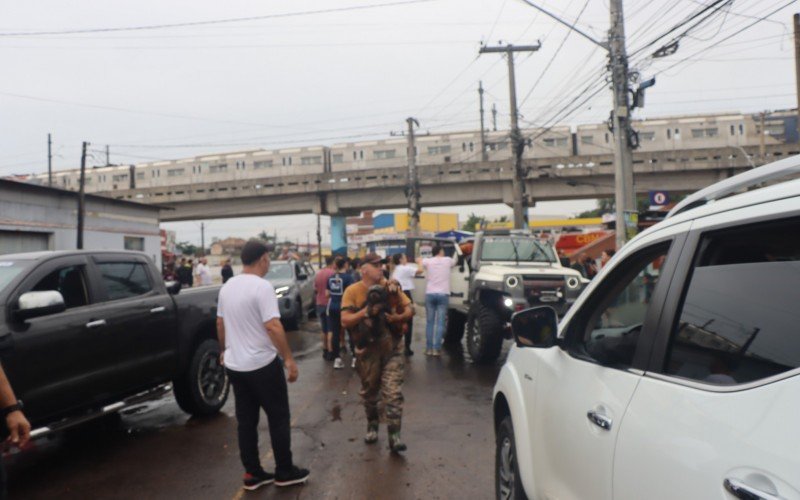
x=380, y=360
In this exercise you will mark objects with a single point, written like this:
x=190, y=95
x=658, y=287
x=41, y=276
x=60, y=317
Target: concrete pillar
x=338, y=235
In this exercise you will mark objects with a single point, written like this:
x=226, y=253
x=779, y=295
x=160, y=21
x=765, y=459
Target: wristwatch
x=11, y=409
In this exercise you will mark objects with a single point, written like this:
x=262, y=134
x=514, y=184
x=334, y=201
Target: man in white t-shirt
x=437, y=297
x=251, y=337
x=203, y=273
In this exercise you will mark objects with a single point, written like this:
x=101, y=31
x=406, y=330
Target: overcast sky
x=328, y=77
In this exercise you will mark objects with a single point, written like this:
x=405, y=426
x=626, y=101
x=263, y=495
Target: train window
x=338, y=158
x=647, y=136
x=283, y=161
x=471, y=146
x=587, y=139
x=606, y=137
x=741, y=129
x=669, y=133
x=361, y=154
x=262, y=164
x=139, y=176
x=463, y=146
x=677, y=133
x=733, y=129
x=438, y=150
x=355, y=155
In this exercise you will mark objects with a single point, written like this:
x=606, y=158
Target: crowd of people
x=194, y=273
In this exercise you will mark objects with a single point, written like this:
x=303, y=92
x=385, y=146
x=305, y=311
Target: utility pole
x=484, y=156
x=319, y=240
x=494, y=117
x=202, y=239
x=520, y=202
x=797, y=63
x=82, y=197
x=49, y=161
x=108, y=157
x=762, y=147
x=412, y=190
x=625, y=199
x=623, y=152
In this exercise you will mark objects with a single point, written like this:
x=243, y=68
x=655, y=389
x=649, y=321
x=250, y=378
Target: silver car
x=293, y=281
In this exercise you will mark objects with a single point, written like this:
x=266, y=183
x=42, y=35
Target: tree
x=186, y=248
x=473, y=223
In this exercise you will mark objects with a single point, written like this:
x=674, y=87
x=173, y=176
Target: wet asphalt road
x=156, y=451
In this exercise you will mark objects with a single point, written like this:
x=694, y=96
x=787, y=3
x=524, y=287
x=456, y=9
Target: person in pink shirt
x=320, y=289
x=437, y=296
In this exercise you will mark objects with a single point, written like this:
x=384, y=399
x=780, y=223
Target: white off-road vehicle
x=506, y=271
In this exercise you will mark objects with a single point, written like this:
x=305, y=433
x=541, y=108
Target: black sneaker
x=255, y=481
x=409, y=352
x=295, y=476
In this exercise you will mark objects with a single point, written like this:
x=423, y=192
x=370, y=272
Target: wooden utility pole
x=82, y=197
x=49, y=161
x=484, y=156
x=520, y=201
x=797, y=64
x=412, y=189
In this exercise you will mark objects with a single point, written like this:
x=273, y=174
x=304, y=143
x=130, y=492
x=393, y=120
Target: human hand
x=291, y=368
x=19, y=428
x=222, y=358
x=393, y=318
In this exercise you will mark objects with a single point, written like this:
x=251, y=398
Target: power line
x=213, y=21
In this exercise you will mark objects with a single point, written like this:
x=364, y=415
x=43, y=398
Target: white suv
x=676, y=374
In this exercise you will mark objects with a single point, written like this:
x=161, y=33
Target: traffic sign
x=659, y=198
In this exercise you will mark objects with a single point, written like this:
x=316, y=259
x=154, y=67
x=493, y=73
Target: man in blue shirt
x=337, y=284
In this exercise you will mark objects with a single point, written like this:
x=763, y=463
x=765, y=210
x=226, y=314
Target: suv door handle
x=741, y=490
x=96, y=324
x=599, y=420
x=159, y=309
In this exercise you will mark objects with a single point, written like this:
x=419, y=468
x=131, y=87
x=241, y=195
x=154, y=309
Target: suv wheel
x=203, y=388
x=506, y=477
x=484, y=336
x=293, y=323
x=455, y=327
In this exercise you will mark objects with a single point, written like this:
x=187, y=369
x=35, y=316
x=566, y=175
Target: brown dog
x=394, y=297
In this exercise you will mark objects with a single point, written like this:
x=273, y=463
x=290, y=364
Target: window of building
x=738, y=321
x=439, y=150
x=124, y=279
x=219, y=168
x=587, y=139
x=262, y=164
x=70, y=282
x=311, y=160
x=175, y=172
x=384, y=154
x=337, y=158
x=612, y=331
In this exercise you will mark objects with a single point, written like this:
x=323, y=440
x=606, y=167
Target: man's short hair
x=436, y=250
x=329, y=260
x=340, y=262
x=252, y=251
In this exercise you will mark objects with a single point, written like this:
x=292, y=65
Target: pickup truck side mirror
x=173, y=287
x=536, y=327
x=35, y=304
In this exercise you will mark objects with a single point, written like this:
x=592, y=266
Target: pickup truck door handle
x=599, y=420
x=741, y=490
x=156, y=310
x=96, y=324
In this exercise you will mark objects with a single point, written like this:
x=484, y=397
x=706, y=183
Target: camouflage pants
x=382, y=372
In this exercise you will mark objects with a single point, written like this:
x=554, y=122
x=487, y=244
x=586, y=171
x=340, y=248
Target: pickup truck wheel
x=506, y=477
x=455, y=327
x=484, y=336
x=204, y=387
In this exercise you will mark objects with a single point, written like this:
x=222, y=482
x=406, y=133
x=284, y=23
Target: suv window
x=124, y=279
x=70, y=282
x=614, y=323
x=739, y=318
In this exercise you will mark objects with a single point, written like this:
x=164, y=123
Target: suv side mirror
x=35, y=304
x=536, y=327
x=173, y=287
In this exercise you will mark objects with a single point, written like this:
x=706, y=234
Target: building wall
x=54, y=213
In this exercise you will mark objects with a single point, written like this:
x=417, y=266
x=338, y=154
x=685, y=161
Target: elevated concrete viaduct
x=347, y=193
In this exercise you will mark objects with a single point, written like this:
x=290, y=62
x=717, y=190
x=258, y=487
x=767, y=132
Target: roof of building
x=36, y=188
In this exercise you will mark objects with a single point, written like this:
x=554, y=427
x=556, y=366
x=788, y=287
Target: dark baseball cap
x=373, y=258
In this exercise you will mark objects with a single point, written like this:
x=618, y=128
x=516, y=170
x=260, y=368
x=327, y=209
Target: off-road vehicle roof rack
x=744, y=181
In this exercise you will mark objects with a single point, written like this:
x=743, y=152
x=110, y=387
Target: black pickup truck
x=85, y=333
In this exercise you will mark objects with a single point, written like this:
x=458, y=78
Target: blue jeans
x=435, y=312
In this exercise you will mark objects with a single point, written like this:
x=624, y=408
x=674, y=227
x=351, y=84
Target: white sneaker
x=337, y=363
x=353, y=364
